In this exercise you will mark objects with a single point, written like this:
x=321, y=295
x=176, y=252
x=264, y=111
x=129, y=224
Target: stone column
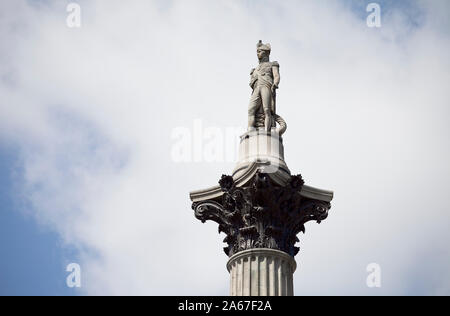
x=261, y=272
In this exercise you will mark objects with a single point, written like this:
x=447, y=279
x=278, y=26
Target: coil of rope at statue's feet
x=260, y=121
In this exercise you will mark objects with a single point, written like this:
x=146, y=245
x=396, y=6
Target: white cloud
x=92, y=110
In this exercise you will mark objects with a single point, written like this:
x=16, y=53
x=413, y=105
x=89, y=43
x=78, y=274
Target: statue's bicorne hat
x=262, y=46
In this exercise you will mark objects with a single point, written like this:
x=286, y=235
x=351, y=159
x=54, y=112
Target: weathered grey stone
x=261, y=272
x=259, y=146
x=264, y=81
x=263, y=214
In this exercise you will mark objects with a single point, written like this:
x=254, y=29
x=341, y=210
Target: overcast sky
x=90, y=118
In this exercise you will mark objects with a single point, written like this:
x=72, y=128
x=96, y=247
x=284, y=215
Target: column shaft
x=261, y=272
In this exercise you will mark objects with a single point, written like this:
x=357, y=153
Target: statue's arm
x=276, y=76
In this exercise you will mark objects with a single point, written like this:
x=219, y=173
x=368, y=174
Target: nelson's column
x=261, y=207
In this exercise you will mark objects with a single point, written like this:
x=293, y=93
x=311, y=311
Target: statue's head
x=263, y=50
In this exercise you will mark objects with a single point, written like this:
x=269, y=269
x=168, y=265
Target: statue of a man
x=264, y=82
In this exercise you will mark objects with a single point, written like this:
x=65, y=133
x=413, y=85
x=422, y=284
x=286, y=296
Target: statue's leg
x=255, y=101
x=266, y=97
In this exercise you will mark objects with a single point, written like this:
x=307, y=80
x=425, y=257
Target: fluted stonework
x=261, y=272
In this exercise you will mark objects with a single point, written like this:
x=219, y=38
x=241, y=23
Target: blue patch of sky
x=33, y=260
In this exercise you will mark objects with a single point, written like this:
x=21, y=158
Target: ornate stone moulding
x=246, y=177
x=260, y=213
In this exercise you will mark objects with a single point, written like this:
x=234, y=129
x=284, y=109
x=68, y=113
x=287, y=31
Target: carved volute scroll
x=261, y=214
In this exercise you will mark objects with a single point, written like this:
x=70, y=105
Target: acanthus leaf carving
x=261, y=214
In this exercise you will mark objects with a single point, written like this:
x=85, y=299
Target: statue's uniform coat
x=261, y=81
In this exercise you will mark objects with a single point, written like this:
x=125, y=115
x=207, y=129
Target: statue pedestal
x=261, y=272
x=265, y=149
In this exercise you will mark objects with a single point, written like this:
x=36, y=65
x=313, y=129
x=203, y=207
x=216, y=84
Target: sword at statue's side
x=276, y=118
x=274, y=97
